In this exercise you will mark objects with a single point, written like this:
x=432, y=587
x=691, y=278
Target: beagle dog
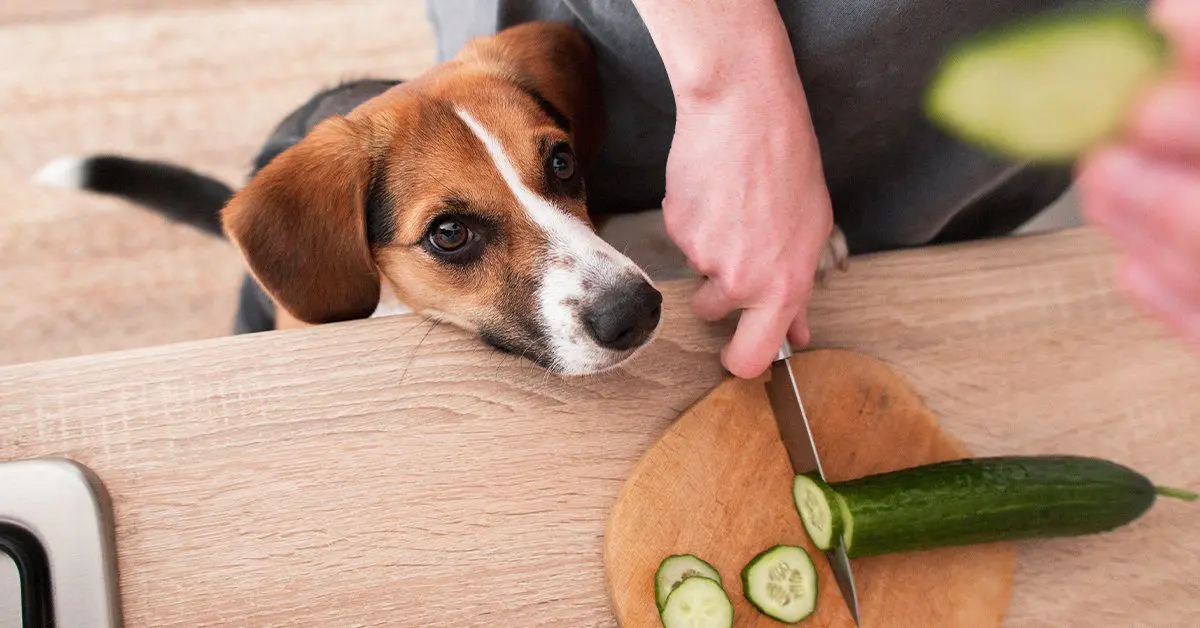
x=458, y=195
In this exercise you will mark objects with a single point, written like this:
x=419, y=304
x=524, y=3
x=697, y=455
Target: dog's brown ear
x=301, y=225
x=553, y=63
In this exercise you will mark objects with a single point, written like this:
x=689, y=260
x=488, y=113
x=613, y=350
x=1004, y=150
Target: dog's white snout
x=597, y=311
x=595, y=307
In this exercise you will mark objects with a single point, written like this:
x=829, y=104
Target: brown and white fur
x=459, y=195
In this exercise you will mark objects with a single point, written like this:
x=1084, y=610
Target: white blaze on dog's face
x=464, y=190
x=591, y=306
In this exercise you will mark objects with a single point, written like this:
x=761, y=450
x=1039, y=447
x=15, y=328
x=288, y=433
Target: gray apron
x=895, y=180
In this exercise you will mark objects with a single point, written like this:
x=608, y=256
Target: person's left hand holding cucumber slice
x=1144, y=191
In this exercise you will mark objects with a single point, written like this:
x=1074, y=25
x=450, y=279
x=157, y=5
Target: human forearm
x=716, y=47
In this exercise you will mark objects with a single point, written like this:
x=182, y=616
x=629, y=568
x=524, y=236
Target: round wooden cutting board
x=718, y=485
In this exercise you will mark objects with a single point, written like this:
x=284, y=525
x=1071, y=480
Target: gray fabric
x=895, y=181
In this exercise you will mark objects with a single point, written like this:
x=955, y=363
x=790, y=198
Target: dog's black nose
x=625, y=315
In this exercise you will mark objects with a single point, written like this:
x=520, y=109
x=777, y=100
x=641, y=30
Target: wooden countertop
x=390, y=472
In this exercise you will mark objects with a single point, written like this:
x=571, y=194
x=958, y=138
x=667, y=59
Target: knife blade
x=784, y=394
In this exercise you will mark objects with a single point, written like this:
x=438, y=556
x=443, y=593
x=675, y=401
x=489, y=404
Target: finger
x=1173, y=264
x=1180, y=21
x=1099, y=187
x=1136, y=198
x=1140, y=282
x=710, y=303
x=834, y=254
x=760, y=332
x=1166, y=198
x=798, y=333
x=1167, y=121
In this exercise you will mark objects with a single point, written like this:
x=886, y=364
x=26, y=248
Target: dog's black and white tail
x=172, y=191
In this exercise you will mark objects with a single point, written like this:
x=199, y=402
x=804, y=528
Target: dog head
x=463, y=190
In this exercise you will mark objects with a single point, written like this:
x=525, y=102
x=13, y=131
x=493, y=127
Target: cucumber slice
x=673, y=570
x=781, y=582
x=847, y=522
x=984, y=500
x=698, y=602
x=1047, y=88
x=819, y=510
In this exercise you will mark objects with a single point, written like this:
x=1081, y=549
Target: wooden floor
x=200, y=83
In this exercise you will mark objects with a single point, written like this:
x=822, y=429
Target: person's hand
x=745, y=195
x=1144, y=191
x=746, y=202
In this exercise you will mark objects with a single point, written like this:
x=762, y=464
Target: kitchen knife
x=797, y=439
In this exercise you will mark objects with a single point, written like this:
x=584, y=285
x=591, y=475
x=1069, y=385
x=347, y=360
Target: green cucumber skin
x=746, y=579
x=984, y=500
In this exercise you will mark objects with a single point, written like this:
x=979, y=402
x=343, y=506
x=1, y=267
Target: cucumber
x=1048, y=88
x=698, y=602
x=982, y=500
x=820, y=510
x=673, y=570
x=781, y=582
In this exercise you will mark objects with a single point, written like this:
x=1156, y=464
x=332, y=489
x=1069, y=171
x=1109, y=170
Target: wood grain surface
x=391, y=472
x=718, y=485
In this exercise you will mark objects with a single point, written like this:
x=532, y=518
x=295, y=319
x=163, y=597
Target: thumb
x=759, y=333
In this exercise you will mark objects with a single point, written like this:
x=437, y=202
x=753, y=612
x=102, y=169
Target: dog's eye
x=458, y=239
x=449, y=235
x=562, y=164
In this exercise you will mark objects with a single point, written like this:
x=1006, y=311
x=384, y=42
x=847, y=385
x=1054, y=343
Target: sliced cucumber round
x=698, y=602
x=1051, y=87
x=673, y=570
x=781, y=582
x=847, y=522
x=818, y=507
